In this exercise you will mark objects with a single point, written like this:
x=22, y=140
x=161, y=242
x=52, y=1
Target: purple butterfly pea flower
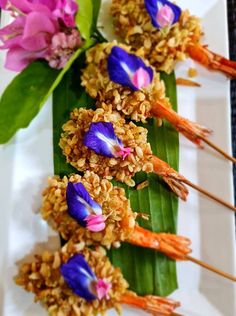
x=82, y=280
x=102, y=139
x=128, y=69
x=83, y=208
x=163, y=13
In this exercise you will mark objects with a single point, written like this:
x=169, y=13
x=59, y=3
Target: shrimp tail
x=154, y=305
x=174, y=246
x=171, y=177
x=191, y=130
x=211, y=60
x=194, y=132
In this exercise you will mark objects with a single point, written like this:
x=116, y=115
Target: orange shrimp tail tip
x=175, y=247
x=171, y=177
x=191, y=130
x=177, y=187
x=186, y=82
x=154, y=305
x=211, y=60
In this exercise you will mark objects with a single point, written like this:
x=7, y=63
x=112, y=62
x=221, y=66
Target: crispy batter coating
x=120, y=220
x=135, y=104
x=163, y=48
x=84, y=159
x=43, y=278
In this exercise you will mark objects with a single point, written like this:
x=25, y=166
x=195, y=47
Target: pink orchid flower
x=66, y=10
x=27, y=39
x=62, y=47
x=27, y=6
x=34, y=31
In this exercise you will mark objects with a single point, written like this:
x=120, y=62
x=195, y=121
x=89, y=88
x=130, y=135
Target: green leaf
x=96, y=9
x=24, y=97
x=27, y=93
x=84, y=18
x=68, y=95
x=146, y=271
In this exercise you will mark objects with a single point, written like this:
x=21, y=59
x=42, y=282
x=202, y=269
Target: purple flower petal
x=102, y=139
x=128, y=69
x=80, y=204
x=79, y=277
x=162, y=12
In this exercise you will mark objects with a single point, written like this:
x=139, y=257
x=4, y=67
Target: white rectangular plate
x=27, y=161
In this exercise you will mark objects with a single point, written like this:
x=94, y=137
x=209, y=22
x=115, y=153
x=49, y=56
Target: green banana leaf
x=147, y=271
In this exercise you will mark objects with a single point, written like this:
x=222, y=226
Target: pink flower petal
x=35, y=43
x=13, y=29
x=59, y=40
x=124, y=152
x=27, y=6
x=95, y=223
x=18, y=58
x=102, y=288
x=66, y=10
x=12, y=43
x=165, y=16
x=49, y=3
x=70, y=6
x=3, y=4
x=63, y=61
x=141, y=78
x=37, y=22
x=11, y=34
